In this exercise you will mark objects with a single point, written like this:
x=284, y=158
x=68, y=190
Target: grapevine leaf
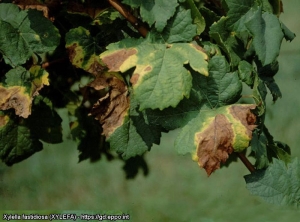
x=267, y=35
x=246, y=72
x=214, y=134
x=159, y=80
x=21, y=86
x=221, y=87
x=17, y=141
x=197, y=17
x=259, y=147
x=84, y=50
x=278, y=184
x=158, y=12
x=21, y=34
x=44, y=122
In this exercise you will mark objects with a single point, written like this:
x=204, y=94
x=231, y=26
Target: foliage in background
x=188, y=72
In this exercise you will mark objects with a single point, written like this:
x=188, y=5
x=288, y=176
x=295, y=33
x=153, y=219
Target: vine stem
x=246, y=162
x=136, y=23
x=47, y=64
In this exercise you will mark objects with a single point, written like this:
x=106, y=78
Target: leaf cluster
x=128, y=71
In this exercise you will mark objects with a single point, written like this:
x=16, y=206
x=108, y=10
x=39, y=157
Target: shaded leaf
x=17, y=141
x=133, y=165
x=214, y=134
x=246, y=72
x=44, y=122
x=259, y=147
x=20, y=87
x=21, y=34
x=278, y=184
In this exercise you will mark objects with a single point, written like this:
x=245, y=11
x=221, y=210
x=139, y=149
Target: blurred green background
x=176, y=189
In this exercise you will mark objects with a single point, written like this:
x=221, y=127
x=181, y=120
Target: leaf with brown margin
x=20, y=87
x=111, y=108
x=214, y=134
x=83, y=50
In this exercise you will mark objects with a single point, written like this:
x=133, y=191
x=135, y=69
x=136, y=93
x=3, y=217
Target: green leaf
x=259, y=147
x=84, y=50
x=17, y=141
x=239, y=12
x=158, y=11
x=278, y=184
x=221, y=87
x=44, y=122
x=160, y=79
x=214, y=134
x=20, y=87
x=188, y=108
x=267, y=36
x=246, y=72
x=259, y=95
x=227, y=41
x=21, y=34
x=198, y=19
x=134, y=137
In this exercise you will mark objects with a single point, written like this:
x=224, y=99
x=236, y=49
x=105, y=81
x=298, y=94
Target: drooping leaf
x=278, y=184
x=288, y=34
x=133, y=165
x=267, y=35
x=44, y=122
x=259, y=148
x=17, y=140
x=20, y=87
x=84, y=50
x=155, y=12
x=259, y=95
x=21, y=34
x=214, y=134
x=198, y=19
x=246, y=72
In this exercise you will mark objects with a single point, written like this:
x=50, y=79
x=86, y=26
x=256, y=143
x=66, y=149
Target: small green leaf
x=198, y=19
x=278, y=184
x=246, y=72
x=21, y=34
x=259, y=147
x=155, y=12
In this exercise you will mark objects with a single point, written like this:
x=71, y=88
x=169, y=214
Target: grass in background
x=176, y=189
